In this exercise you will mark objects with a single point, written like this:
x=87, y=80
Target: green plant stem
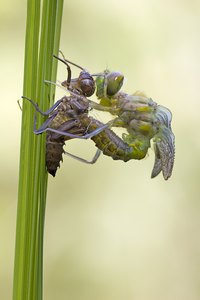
x=44, y=35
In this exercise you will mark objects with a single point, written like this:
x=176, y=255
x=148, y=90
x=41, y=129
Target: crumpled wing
x=157, y=168
x=164, y=153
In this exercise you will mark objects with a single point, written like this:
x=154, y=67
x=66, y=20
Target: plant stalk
x=43, y=34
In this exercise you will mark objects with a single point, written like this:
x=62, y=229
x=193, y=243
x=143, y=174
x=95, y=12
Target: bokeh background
x=111, y=232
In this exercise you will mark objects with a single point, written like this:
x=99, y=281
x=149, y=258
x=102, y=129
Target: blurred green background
x=111, y=232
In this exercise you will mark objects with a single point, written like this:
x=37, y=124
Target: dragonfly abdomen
x=54, y=151
x=111, y=144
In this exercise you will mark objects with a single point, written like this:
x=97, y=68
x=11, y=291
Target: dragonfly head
x=109, y=84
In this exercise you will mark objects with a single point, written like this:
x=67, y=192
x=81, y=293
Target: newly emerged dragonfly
x=143, y=119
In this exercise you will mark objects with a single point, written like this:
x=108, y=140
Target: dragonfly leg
x=46, y=113
x=72, y=126
x=92, y=161
x=44, y=128
x=100, y=107
x=98, y=130
x=44, y=125
x=64, y=133
x=18, y=102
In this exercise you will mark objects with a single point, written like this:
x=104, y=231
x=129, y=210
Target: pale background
x=111, y=232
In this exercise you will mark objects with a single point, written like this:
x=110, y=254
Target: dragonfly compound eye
x=114, y=83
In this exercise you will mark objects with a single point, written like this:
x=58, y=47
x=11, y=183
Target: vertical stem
x=44, y=35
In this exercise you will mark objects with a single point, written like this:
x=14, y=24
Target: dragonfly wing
x=157, y=168
x=164, y=153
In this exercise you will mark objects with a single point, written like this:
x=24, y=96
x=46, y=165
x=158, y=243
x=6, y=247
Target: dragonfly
x=143, y=119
